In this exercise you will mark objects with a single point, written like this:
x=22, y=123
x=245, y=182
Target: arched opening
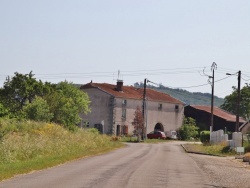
x=159, y=127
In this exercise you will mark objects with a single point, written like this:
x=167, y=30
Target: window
x=124, y=102
x=86, y=124
x=124, y=113
x=177, y=108
x=83, y=124
x=160, y=107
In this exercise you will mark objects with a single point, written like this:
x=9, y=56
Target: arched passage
x=159, y=127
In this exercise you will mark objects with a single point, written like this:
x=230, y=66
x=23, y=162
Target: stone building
x=113, y=107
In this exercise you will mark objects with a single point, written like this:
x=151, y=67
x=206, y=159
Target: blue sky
x=167, y=42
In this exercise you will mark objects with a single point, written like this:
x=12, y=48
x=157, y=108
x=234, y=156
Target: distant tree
x=66, y=103
x=38, y=110
x=230, y=102
x=138, y=123
x=189, y=129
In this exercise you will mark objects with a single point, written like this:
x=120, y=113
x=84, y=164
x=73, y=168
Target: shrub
x=205, y=136
x=188, y=130
x=247, y=148
x=38, y=110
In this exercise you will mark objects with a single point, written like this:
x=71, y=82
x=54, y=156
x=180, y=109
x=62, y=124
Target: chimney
x=119, y=85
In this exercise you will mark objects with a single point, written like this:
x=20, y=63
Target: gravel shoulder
x=224, y=171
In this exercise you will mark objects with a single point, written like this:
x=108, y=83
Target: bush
x=247, y=148
x=38, y=110
x=188, y=130
x=205, y=136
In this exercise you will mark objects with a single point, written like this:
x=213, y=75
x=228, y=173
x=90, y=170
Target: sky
x=168, y=42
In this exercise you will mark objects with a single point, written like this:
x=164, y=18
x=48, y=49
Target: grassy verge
x=27, y=146
x=215, y=149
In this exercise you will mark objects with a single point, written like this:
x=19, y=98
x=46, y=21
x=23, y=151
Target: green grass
x=214, y=149
x=27, y=146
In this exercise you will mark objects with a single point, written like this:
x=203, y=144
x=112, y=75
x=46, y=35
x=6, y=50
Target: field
x=26, y=146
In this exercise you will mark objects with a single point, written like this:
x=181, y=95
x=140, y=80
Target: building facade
x=113, y=108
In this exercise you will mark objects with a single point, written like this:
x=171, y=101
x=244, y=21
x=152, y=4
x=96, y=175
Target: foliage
x=138, y=122
x=230, y=102
x=19, y=90
x=189, y=98
x=3, y=111
x=38, y=110
x=41, y=145
x=205, y=136
x=24, y=97
x=247, y=148
x=188, y=130
x=221, y=149
x=66, y=102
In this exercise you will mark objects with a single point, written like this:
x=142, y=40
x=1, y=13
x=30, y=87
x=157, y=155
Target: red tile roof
x=219, y=112
x=132, y=92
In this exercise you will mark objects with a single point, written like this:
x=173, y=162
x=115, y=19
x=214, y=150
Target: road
x=135, y=166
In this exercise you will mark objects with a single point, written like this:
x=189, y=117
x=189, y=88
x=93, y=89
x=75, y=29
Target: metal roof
x=219, y=112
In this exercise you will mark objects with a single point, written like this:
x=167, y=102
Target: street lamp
x=238, y=101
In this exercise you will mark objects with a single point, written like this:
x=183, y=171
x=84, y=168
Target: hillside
x=189, y=98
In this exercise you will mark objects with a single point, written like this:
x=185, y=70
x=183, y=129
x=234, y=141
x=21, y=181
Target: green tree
x=189, y=129
x=19, y=90
x=230, y=102
x=38, y=110
x=66, y=103
x=3, y=111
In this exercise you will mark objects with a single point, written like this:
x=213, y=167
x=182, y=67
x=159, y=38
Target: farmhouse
x=113, y=108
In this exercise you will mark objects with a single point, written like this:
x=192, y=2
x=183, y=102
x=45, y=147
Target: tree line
x=24, y=97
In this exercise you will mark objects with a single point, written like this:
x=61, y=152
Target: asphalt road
x=135, y=166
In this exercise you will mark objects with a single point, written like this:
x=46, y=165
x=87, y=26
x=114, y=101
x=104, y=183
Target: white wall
x=102, y=108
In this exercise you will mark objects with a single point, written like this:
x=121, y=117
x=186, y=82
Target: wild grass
x=27, y=145
x=212, y=149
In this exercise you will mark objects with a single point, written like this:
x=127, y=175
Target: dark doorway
x=159, y=127
x=118, y=130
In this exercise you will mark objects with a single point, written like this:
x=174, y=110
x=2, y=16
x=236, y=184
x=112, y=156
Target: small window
x=124, y=113
x=160, y=107
x=177, y=108
x=124, y=102
x=86, y=124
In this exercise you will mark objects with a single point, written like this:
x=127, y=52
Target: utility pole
x=144, y=108
x=214, y=66
x=238, y=103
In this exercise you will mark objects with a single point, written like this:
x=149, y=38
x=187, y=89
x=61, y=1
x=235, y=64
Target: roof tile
x=132, y=92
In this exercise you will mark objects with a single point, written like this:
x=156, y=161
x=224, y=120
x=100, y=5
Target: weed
x=34, y=143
